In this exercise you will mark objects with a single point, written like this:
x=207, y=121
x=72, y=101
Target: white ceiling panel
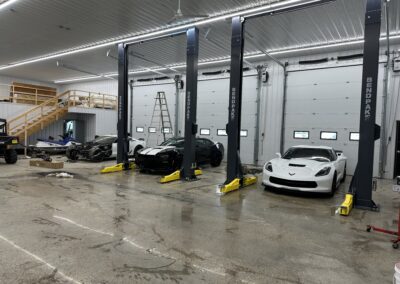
x=39, y=27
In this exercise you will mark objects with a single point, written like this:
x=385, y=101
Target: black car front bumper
x=156, y=163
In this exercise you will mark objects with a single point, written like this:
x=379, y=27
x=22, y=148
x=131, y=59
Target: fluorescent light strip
x=265, y=8
x=227, y=59
x=7, y=3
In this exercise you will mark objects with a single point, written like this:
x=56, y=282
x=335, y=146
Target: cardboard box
x=45, y=164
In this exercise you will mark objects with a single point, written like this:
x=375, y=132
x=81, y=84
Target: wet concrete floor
x=127, y=228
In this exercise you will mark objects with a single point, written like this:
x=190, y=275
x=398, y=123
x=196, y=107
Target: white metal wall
x=393, y=116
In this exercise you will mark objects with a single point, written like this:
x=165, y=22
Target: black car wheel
x=135, y=152
x=10, y=156
x=72, y=155
x=216, y=159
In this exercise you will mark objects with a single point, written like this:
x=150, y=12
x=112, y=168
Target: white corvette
x=306, y=168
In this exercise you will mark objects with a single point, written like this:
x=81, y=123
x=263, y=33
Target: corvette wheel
x=216, y=160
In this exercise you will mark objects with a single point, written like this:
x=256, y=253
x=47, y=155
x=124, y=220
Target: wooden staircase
x=53, y=109
x=37, y=118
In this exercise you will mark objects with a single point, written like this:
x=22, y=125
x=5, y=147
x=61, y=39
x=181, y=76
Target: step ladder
x=161, y=118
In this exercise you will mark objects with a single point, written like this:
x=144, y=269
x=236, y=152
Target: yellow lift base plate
x=117, y=168
x=347, y=205
x=177, y=176
x=235, y=184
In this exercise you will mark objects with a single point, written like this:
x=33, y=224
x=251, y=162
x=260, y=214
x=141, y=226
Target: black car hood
x=152, y=151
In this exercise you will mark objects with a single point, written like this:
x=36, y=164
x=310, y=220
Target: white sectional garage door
x=327, y=100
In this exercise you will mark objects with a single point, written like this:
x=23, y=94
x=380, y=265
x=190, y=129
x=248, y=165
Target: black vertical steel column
x=234, y=167
x=131, y=108
x=368, y=135
x=122, y=126
x=189, y=158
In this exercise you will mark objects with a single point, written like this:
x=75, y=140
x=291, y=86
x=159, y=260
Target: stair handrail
x=40, y=107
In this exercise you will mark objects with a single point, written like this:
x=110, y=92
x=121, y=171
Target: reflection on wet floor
x=127, y=228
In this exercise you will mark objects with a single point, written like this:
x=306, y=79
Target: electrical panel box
x=396, y=65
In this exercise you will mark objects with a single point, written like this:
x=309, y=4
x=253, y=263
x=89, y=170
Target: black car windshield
x=105, y=139
x=307, y=153
x=172, y=142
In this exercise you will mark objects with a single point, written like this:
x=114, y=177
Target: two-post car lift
x=235, y=178
x=189, y=169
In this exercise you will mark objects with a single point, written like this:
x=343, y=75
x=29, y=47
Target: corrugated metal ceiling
x=34, y=29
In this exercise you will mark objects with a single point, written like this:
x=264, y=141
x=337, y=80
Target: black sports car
x=168, y=156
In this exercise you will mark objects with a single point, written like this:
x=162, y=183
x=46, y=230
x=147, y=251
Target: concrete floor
x=127, y=228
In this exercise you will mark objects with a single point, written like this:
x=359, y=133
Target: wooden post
x=36, y=98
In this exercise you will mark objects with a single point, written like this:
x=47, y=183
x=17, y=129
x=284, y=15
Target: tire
x=10, y=156
x=73, y=155
x=216, y=160
x=344, y=174
x=333, y=187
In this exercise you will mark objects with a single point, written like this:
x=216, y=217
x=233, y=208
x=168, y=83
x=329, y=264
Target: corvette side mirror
x=279, y=155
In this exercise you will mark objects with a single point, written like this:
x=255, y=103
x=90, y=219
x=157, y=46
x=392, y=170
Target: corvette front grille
x=293, y=183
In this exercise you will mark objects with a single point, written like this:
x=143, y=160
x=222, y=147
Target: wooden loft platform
x=31, y=94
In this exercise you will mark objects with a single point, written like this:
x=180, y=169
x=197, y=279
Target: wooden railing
x=54, y=108
x=25, y=94
x=92, y=99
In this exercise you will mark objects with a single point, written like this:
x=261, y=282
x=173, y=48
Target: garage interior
x=239, y=86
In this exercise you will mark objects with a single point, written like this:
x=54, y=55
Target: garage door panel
x=351, y=73
x=325, y=91
x=329, y=100
x=323, y=106
x=325, y=121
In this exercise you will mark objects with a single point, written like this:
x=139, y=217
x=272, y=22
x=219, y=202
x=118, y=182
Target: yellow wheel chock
x=117, y=168
x=235, y=184
x=347, y=205
x=177, y=176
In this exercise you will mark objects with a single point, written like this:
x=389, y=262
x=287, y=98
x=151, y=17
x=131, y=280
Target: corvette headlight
x=325, y=171
x=268, y=166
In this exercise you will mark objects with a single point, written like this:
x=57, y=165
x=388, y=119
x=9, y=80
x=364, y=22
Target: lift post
x=122, y=125
x=235, y=178
x=189, y=169
x=189, y=157
x=361, y=185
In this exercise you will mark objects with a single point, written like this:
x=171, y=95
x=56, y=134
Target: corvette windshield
x=307, y=153
x=172, y=142
x=105, y=139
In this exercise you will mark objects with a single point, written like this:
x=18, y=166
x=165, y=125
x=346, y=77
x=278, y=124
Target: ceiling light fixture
x=6, y=3
x=270, y=8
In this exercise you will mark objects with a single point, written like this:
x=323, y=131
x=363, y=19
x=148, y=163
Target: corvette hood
x=155, y=150
x=297, y=167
